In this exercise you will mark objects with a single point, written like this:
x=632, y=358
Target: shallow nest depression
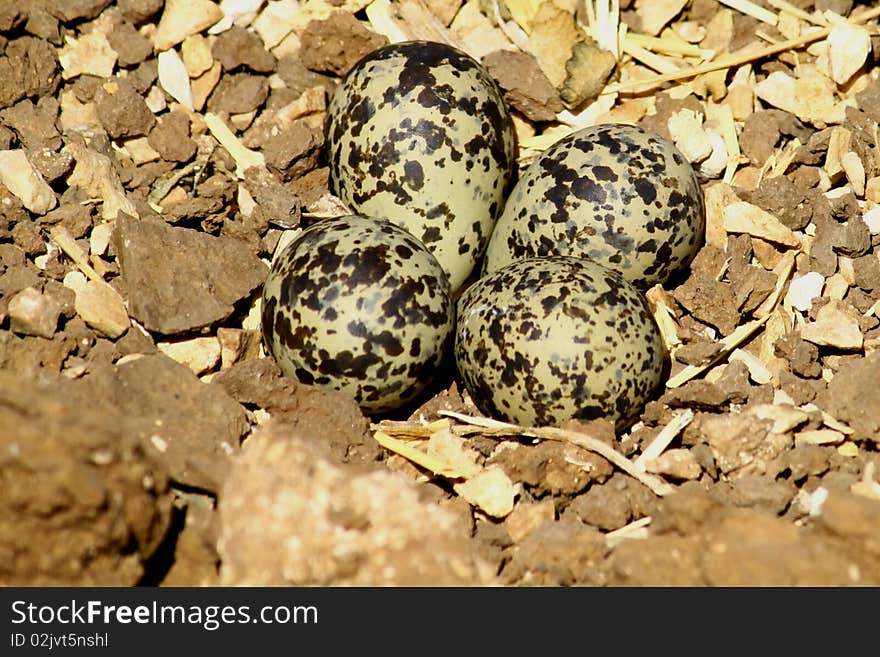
x=153, y=154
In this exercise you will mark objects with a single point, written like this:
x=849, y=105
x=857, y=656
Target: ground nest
x=152, y=155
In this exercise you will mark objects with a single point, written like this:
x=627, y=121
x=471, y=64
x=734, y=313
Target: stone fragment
x=240, y=47
x=122, y=110
x=784, y=416
x=804, y=289
x=835, y=326
x=196, y=54
x=291, y=516
x=559, y=553
x=91, y=54
x=33, y=313
x=853, y=396
x=201, y=355
x=20, y=177
x=99, y=305
x=82, y=503
x=190, y=427
x=490, y=490
x=528, y=516
x=183, y=18
x=819, y=437
x=686, y=130
x=178, y=279
x=96, y=175
x=810, y=97
x=677, y=463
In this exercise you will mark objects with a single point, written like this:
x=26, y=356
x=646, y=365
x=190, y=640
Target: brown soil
x=145, y=440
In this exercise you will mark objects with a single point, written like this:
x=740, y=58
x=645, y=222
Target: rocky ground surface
x=151, y=156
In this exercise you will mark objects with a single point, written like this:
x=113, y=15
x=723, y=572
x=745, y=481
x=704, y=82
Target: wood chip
x=718, y=196
x=848, y=48
x=183, y=18
x=818, y=437
x=686, y=129
x=491, y=491
x=460, y=459
x=20, y=177
x=201, y=355
x=244, y=157
x=810, y=97
x=743, y=217
x=174, y=79
x=667, y=434
x=855, y=172
x=835, y=326
x=91, y=54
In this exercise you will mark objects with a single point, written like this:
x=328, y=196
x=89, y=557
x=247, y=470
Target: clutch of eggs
x=617, y=194
x=544, y=340
x=358, y=305
x=418, y=132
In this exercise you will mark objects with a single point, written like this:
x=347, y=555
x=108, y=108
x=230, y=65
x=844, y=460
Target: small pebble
x=802, y=290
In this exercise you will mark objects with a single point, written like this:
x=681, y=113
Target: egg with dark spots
x=360, y=306
x=618, y=194
x=419, y=132
x=544, y=340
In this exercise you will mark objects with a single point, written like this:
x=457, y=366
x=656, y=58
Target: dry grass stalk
x=488, y=427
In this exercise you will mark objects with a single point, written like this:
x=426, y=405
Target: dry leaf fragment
x=25, y=182
x=656, y=14
x=743, y=217
x=183, y=18
x=491, y=490
x=553, y=36
x=587, y=71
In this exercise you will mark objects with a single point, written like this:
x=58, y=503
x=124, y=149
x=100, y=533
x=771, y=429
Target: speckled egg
x=544, y=340
x=358, y=305
x=618, y=194
x=418, y=132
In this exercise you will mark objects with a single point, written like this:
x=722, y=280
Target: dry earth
x=152, y=154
